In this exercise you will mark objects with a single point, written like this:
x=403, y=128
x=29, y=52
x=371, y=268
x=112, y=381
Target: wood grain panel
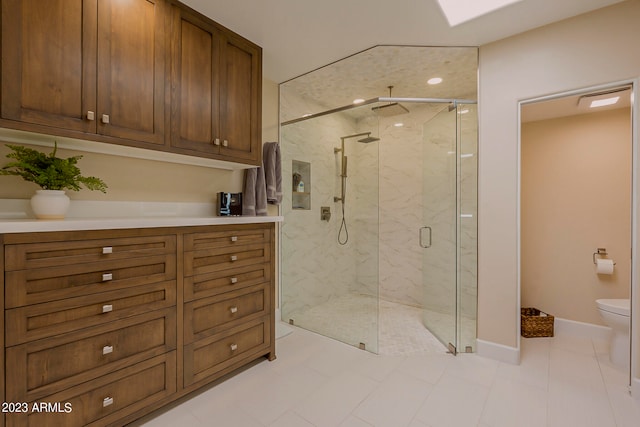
x=206, y=357
x=206, y=285
x=132, y=389
x=45, y=366
x=54, y=318
x=34, y=286
x=43, y=255
x=208, y=316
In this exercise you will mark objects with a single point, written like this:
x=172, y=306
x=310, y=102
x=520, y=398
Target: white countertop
x=79, y=224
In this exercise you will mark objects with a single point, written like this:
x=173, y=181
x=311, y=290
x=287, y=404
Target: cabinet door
x=195, y=82
x=240, y=100
x=48, y=62
x=131, y=69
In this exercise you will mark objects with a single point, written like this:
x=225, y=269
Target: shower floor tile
x=352, y=319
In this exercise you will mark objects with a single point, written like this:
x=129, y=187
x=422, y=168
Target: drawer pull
x=234, y=258
x=233, y=347
x=107, y=401
x=107, y=349
x=233, y=310
x=107, y=276
x=107, y=250
x=107, y=308
x=234, y=280
x=234, y=238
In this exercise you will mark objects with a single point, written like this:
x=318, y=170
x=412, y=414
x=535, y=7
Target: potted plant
x=53, y=174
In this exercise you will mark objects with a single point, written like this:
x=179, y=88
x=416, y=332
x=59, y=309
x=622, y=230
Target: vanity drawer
x=226, y=238
x=74, y=252
x=208, y=356
x=209, y=316
x=215, y=260
x=42, y=367
x=109, y=397
x=205, y=285
x=39, y=321
x=39, y=285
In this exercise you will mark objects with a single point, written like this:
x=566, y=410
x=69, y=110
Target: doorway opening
x=576, y=197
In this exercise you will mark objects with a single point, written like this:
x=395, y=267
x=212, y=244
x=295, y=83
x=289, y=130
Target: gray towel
x=254, y=200
x=272, y=172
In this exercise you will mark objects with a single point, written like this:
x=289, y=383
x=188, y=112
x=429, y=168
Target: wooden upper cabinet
x=216, y=90
x=48, y=62
x=86, y=65
x=195, y=83
x=240, y=100
x=131, y=69
x=146, y=73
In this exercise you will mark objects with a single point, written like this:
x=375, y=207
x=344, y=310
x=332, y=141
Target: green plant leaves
x=48, y=171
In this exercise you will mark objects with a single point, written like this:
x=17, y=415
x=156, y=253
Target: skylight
x=459, y=11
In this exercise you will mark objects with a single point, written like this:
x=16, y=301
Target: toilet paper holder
x=600, y=252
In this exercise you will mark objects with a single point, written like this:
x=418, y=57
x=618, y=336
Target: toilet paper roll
x=604, y=266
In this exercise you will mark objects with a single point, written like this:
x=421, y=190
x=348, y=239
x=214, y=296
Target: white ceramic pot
x=50, y=204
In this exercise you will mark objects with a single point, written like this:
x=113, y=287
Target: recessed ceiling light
x=465, y=111
x=434, y=81
x=398, y=125
x=358, y=101
x=604, y=102
x=459, y=11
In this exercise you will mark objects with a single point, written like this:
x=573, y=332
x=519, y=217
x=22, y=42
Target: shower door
x=448, y=234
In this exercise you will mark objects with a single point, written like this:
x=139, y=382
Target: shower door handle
x=422, y=239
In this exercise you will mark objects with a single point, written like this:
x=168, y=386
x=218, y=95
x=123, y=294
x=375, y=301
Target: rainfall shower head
x=369, y=139
x=391, y=109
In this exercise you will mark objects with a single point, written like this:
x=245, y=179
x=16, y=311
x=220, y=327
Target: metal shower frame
x=455, y=102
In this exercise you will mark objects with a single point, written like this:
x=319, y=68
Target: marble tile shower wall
x=315, y=268
x=384, y=210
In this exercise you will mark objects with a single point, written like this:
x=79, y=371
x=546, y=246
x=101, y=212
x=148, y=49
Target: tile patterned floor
x=315, y=381
x=354, y=319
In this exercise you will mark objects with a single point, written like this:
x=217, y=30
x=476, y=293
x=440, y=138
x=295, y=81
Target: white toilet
x=616, y=314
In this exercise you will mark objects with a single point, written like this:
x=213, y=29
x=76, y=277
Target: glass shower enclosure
x=385, y=219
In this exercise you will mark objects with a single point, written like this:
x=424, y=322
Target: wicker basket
x=535, y=323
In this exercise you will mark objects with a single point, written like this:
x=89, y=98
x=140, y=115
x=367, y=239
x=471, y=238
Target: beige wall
x=587, y=50
x=575, y=197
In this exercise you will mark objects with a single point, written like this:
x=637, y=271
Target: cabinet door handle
x=233, y=310
x=234, y=280
x=107, y=308
x=107, y=250
x=107, y=401
x=107, y=349
x=225, y=143
x=234, y=238
x=107, y=276
x=91, y=116
x=216, y=141
x=105, y=119
x=233, y=347
x=234, y=258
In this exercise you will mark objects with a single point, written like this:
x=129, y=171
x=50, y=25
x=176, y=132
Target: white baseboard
x=500, y=352
x=580, y=329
